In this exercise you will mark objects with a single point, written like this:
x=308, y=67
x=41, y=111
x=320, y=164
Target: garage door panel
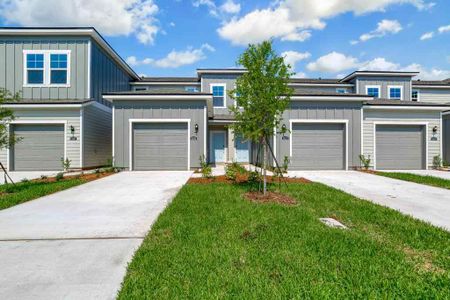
x=318, y=146
x=400, y=147
x=40, y=147
x=160, y=146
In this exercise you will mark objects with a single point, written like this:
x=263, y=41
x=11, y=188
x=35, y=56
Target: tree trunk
x=265, y=158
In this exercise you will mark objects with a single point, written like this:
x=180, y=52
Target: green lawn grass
x=210, y=243
x=428, y=180
x=11, y=195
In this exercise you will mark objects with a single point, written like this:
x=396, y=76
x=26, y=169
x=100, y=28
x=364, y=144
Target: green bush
x=365, y=161
x=59, y=176
x=65, y=163
x=206, y=169
x=231, y=172
x=437, y=162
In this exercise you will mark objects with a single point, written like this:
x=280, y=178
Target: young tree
x=6, y=116
x=262, y=94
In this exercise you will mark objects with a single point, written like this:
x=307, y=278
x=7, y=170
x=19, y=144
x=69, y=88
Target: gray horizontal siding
x=325, y=111
x=434, y=95
x=157, y=109
x=11, y=66
x=432, y=117
x=97, y=136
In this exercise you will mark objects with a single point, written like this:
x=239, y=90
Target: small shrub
x=286, y=162
x=437, y=162
x=44, y=177
x=109, y=162
x=205, y=168
x=65, y=163
x=97, y=171
x=238, y=168
x=254, y=177
x=445, y=163
x=59, y=176
x=365, y=161
x=230, y=172
x=24, y=180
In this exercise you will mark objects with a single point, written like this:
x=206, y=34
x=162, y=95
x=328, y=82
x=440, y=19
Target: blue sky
x=319, y=38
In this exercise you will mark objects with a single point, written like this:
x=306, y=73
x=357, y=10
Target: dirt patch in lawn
x=270, y=197
x=242, y=178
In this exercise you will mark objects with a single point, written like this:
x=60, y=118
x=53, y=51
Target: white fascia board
x=331, y=98
x=157, y=97
x=431, y=86
x=387, y=107
x=323, y=84
x=206, y=71
x=363, y=74
x=42, y=105
x=164, y=83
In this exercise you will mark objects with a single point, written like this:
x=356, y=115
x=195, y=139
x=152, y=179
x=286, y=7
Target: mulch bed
x=68, y=176
x=242, y=178
x=270, y=197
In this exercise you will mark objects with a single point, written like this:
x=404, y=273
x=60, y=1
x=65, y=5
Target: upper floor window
x=46, y=68
x=35, y=68
x=341, y=91
x=415, y=95
x=395, y=92
x=373, y=91
x=218, y=91
x=192, y=89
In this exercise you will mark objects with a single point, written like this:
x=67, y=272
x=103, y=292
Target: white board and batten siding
x=399, y=117
x=70, y=117
x=441, y=96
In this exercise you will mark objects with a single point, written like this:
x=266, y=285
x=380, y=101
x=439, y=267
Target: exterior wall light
x=72, y=129
x=435, y=129
x=196, y=128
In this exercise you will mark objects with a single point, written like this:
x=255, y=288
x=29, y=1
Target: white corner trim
x=205, y=116
x=362, y=131
x=130, y=137
x=412, y=123
x=31, y=122
x=47, y=68
x=441, y=143
x=89, y=75
x=274, y=145
x=389, y=87
x=81, y=138
x=113, y=138
x=321, y=121
x=374, y=87
x=224, y=85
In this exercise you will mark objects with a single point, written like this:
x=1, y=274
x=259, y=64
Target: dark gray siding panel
x=160, y=146
x=106, y=76
x=158, y=109
x=400, y=147
x=318, y=146
x=318, y=110
x=40, y=148
x=11, y=66
x=97, y=136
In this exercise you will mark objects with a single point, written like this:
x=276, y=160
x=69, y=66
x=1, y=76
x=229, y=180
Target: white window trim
x=47, y=68
x=374, y=87
x=224, y=94
x=321, y=121
x=130, y=136
x=418, y=94
x=33, y=122
x=235, y=100
x=412, y=123
x=395, y=87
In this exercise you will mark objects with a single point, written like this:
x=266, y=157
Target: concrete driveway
x=434, y=173
x=423, y=202
x=76, y=244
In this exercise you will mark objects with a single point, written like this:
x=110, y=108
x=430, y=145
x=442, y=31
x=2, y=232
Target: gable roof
x=72, y=31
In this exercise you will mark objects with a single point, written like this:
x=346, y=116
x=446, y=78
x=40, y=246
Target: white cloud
x=443, y=29
x=384, y=27
x=333, y=62
x=286, y=18
x=427, y=36
x=299, y=75
x=209, y=4
x=337, y=62
x=174, y=59
x=297, y=36
x=230, y=7
x=292, y=57
x=110, y=17
x=172, y=24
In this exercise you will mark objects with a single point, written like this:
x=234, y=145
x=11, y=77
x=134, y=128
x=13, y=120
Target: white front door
x=218, y=147
x=241, y=147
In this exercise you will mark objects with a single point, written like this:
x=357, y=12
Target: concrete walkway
x=76, y=244
x=434, y=173
x=423, y=202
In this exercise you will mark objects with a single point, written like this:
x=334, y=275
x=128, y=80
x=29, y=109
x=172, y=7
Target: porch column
x=231, y=149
